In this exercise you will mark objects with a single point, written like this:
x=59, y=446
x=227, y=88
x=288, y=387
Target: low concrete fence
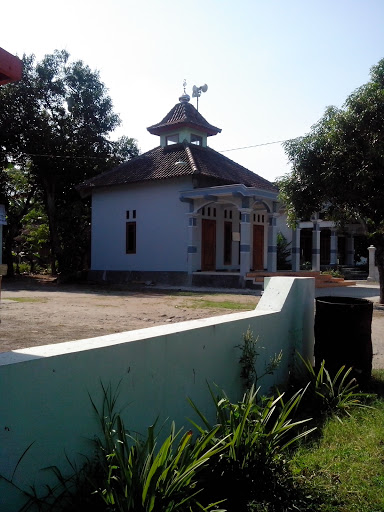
x=45, y=390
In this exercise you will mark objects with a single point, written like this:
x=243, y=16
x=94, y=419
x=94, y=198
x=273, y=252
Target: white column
x=272, y=243
x=350, y=250
x=295, y=257
x=316, y=246
x=333, y=248
x=193, y=256
x=373, y=271
x=245, y=241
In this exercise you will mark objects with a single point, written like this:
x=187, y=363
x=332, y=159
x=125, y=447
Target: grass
x=26, y=299
x=227, y=304
x=345, y=466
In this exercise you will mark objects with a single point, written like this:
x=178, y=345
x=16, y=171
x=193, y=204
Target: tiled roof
x=177, y=160
x=211, y=163
x=183, y=114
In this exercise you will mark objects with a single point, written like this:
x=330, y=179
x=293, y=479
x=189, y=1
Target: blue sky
x=271, y=66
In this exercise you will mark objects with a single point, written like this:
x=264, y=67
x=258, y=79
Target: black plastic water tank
x=343, y=327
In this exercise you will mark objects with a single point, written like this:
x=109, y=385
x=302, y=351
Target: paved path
x=370, y=291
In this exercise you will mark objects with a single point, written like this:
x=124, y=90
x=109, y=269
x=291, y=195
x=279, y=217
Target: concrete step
x=354, y=273
x=321, y=280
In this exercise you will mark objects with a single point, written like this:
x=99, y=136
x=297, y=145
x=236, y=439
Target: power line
x=67, y=156
x=103, y=158
x=256, y=145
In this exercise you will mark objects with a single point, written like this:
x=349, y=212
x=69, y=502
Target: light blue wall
x=45, y=390
x=161, y=226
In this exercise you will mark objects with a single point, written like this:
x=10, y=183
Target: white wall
x=161, y=226
x=44, y=390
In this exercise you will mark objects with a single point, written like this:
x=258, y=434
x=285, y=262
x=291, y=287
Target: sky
x=271, y=66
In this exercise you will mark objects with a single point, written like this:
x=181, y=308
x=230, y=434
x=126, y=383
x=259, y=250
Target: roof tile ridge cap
x=191, y=160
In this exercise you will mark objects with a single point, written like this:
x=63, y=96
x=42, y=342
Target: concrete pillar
x=245, y=241
x=373, y=271
x=193, y=256
x=316, y=246
x=295, y=258
x=350, y=260
x=272, y=243
x=333, y=248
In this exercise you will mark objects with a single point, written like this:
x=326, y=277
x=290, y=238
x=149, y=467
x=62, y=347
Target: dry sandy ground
x=39, y=312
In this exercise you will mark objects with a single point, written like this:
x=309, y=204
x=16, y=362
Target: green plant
x=332, y=272
x=248, y=358
x=283, y=252
x=260, y=432
x=21, y=268
x=257, y=428
x=333, y=395
x=139, y=475
x=307, y=265
x=130, y=474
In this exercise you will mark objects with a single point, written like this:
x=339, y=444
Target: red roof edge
x=11, y=68
x=158, y=130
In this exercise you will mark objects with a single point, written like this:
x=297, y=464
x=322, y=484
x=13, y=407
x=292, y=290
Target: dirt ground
x=40, y=312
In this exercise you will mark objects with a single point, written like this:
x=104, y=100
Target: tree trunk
x=50, y=204
x=8, y=258
x=380, y=267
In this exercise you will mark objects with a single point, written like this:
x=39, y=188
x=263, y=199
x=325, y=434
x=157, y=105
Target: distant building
x=183, y=213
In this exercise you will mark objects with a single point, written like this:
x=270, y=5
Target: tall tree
x=339, y=166
x=55, y=124
x=19, y=195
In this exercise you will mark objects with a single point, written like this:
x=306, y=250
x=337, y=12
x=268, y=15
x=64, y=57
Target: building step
x=321, y=280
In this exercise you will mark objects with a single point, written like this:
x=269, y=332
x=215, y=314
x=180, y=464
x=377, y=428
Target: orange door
x=208, y=244
x=258, y=247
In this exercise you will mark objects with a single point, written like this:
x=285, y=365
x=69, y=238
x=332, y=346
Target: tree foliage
x=283, y=252
x=54, y=126
x=339, y=166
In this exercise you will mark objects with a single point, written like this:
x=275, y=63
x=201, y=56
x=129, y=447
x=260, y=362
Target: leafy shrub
x=283, y=252
x=21, y=268
x=332, y=272
x=140, y=476
x=329, y=395
x=252, y=465
x=131, y=474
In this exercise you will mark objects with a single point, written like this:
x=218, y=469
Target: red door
x=208, y=244
x=258, y=247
